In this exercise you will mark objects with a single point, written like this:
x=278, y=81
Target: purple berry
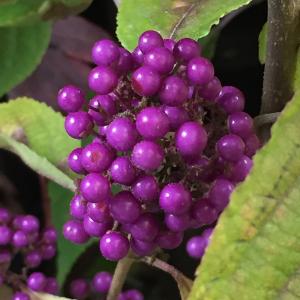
x=147, y=155
x=177, y=223
x=252, y=144
x=145, y=228
x=241, y=124
x=48, y=251
x=30, y=224
x=20, y=239
x=122, y=171
x=125, y=208
x=142, y=248
x=79, y=289
x=149, y=40
x=169, y=44
x=36, y=281
x=33, y=259
x=175, y=199
x=121, y=134
x=5, y=235
x=51, y=286
x=70, y=98
x=138, y=56
x=191, y=139
x=20, y=296
x=211, y=90
x=78, y=207
x=241, y=169
x=95, y=187
x=114, y=246
x=152, y=123
x=78, y=124
x=146, y=189
x=220, y=193
x=103, y=80
x=73, y=231
x=196, y=246
x=231, y=147
x=101, y=282
x=177, y=116
x=133, y=295
x=167, y=239
x=5, y=215
x=231, y=99
x=105, y=52
x=174, y=91
x=145, y=81
x=160, y=59
x=94, y=228
x=50, y=235
x=186, y=49
x=125, y=62
x=204, y=213
x=74, y=161
x=200, y=71
x=99, y=212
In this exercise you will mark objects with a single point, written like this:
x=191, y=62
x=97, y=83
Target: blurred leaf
x=24, y=11
x=21, y=50
x=39, y=126
x=176, y=18
x=43, y=296
x=262, y=44
x=67, y=61
x=68, y=253
x=255, y=249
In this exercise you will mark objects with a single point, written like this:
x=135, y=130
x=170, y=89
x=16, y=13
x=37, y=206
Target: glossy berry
x=168, y=239
x=114, y=245
x=99, y=211
x=175, y=199
x=231, y=147
x=70, y=98
x=79, y=289
x=169, y=44
x=252, y=144
x=132, y=295
x=105, y=52
x=241, y=124
x=125, y=62
x=73, y=231
x=149, y=40
x=30, y=224
x=50, y=235
x=177, y=116
x=121, y=134
x=95, y=229
x=20, y=239
x=48, y=251
x=177, y=223
x=95, y=187
x=20, y=296
x=5, y=235
x=125, y=208
x=146, y=189
x=152, y=123
x=211, y=90
x=241, y=169
x=122, y=170
x=204, y=212
x=142, y=248
x=103, y=80
x=200, y=71
x=78, y=124
x=145, y=228
x=36, y=281
x=101, y=282
x=138, y=56
x=196, y=245
x=191, y=139
x=160, y=59
x=174, y=91
x=186, y=49
x=78, y=207
x=74, y=161
x=96, y=157
x=147, y=155
x=146, y=81
x=231, y=99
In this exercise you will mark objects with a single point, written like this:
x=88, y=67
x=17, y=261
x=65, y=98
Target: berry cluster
x=100, y=284
x=21, y=235
x=166, y=132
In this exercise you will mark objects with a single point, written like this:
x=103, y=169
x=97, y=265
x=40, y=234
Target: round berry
x=252, y=144
x=74, y=161
x=125, y=208
x=105, y=52
x=33, y=259
x=30, y=224
x=5, y=235
x=146, y=189
x=200, y=71
x=51, y=286
x=211, y=90
x=36, y=281
x=145, y=228
x=147, y=155
x=99, y=211
x=101, y=282
x=145, y=81
x=50, y=235
x=103, y=80
x=169, y=44
x=231, y=99
x=241, y=124
x=121, y=134
x=230, y=147
x=186, y=49
x=133, y=295
x=48, y=251
x=149, y=40
x=79, y=289
x=175, y=199
x=152, y=123
x=174, y=91
x=167, y=239
x=78, y=207
x=142, y=248
x=70, y=98
x=241, y=169
x=20, y=239
x=177, y=223
x=94, y=228
x=95, y=187
x=122, y=171
x=204, y=213
x=138, y=56
x=78, y=124
x=114, y=246
x=191, y=139
x=125, y=62
x=73, y=231
x=177, y=116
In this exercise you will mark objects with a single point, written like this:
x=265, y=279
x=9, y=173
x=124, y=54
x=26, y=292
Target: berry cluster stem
x=281, y=55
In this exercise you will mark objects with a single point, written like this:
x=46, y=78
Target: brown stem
x=119, y=277
x=282, y=42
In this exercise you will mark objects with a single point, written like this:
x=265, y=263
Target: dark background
x=236, y=63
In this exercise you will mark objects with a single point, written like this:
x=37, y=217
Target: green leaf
x=185, y=18
x=262, y=44
x=24, y=11
x=255, y=249
x=21, y=50
x=68, y=253
x=40, y=125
